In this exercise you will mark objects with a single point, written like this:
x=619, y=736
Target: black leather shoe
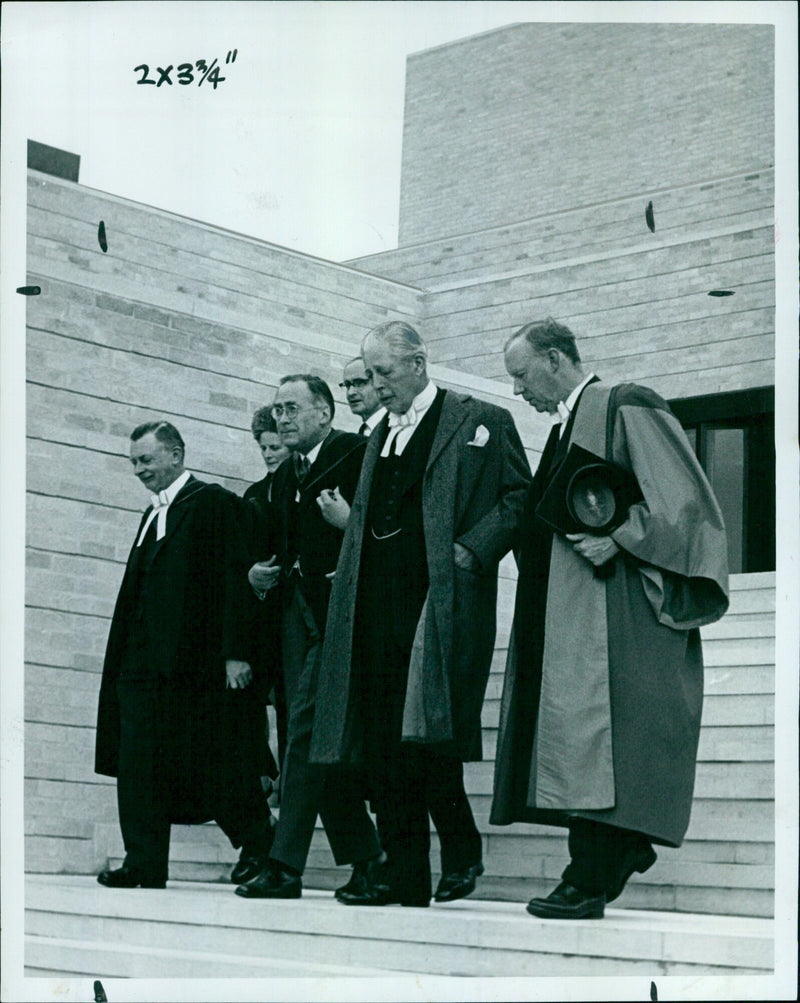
x=458, y=884
x=129, y=877
x=639, y=860
x=568, y=902
x=254, y=856
x=272, y=883
x=382, y=894
x=367, y=875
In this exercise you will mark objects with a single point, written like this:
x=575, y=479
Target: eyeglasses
x=290, y=410
x=357, y=383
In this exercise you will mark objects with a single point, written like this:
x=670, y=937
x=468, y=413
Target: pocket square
x=481, y=436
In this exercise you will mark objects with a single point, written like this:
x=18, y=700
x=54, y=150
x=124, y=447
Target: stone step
x=509, y=856
x=641, y=892
x=60, y=956
x=208, y=923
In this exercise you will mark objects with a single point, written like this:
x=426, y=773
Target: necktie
x=302, y=465
x=364, y=430
x=160, y=503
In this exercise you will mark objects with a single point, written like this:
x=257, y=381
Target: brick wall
x=537, y=118
x=638, y=301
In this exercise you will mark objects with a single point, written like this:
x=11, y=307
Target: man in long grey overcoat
x=411, y=622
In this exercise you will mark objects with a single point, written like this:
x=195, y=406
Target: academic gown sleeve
x=677, y=531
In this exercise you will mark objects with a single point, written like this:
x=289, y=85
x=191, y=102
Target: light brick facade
x=538, y=118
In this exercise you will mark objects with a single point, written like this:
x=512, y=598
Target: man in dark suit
x=411, y=625
x=179, y=723
x=362, y=397
x=324, y=466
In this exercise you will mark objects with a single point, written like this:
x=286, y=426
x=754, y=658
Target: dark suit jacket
x=299, y=529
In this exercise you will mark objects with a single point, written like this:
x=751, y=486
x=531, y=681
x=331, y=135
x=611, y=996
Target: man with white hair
x=411, y=621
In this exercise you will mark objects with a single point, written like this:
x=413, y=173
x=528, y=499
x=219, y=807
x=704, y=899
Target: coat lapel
x=374, y=447
x=176, y=513
x=327, y=459
x=452, y=417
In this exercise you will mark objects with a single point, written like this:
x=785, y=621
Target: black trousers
x=417, y=783
x=308, y=789
x=599, y=853
x=413, y=784
x=146, y=793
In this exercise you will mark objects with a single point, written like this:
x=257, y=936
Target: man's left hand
x=596, y=549
x=239, y=674
x=465, y=559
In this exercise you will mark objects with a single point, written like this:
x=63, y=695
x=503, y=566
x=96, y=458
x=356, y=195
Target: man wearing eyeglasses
x=362, y=397
x=323, y=467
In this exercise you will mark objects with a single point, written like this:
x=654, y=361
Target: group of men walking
x=358, y=583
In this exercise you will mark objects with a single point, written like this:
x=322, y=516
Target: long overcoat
x=601, y=706
x=473, y=492
x=187, y=608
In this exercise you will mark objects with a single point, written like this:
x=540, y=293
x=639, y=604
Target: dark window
x=733, y=435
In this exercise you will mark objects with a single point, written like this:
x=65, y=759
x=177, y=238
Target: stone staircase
x=74, y=927
x=705, y=908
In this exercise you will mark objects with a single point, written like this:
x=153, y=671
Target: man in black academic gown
x=179, y=721
x=311, y=493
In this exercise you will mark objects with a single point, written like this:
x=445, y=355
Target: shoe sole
x=458, y=893
x=140, y=884
x=545, y=911
x=267, y=895
x=378, y=902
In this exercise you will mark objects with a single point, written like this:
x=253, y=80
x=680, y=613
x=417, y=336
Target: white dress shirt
x=565, y=408
x=402, y=426
x=373, y=421
x=313, y=453
x=161, y=502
